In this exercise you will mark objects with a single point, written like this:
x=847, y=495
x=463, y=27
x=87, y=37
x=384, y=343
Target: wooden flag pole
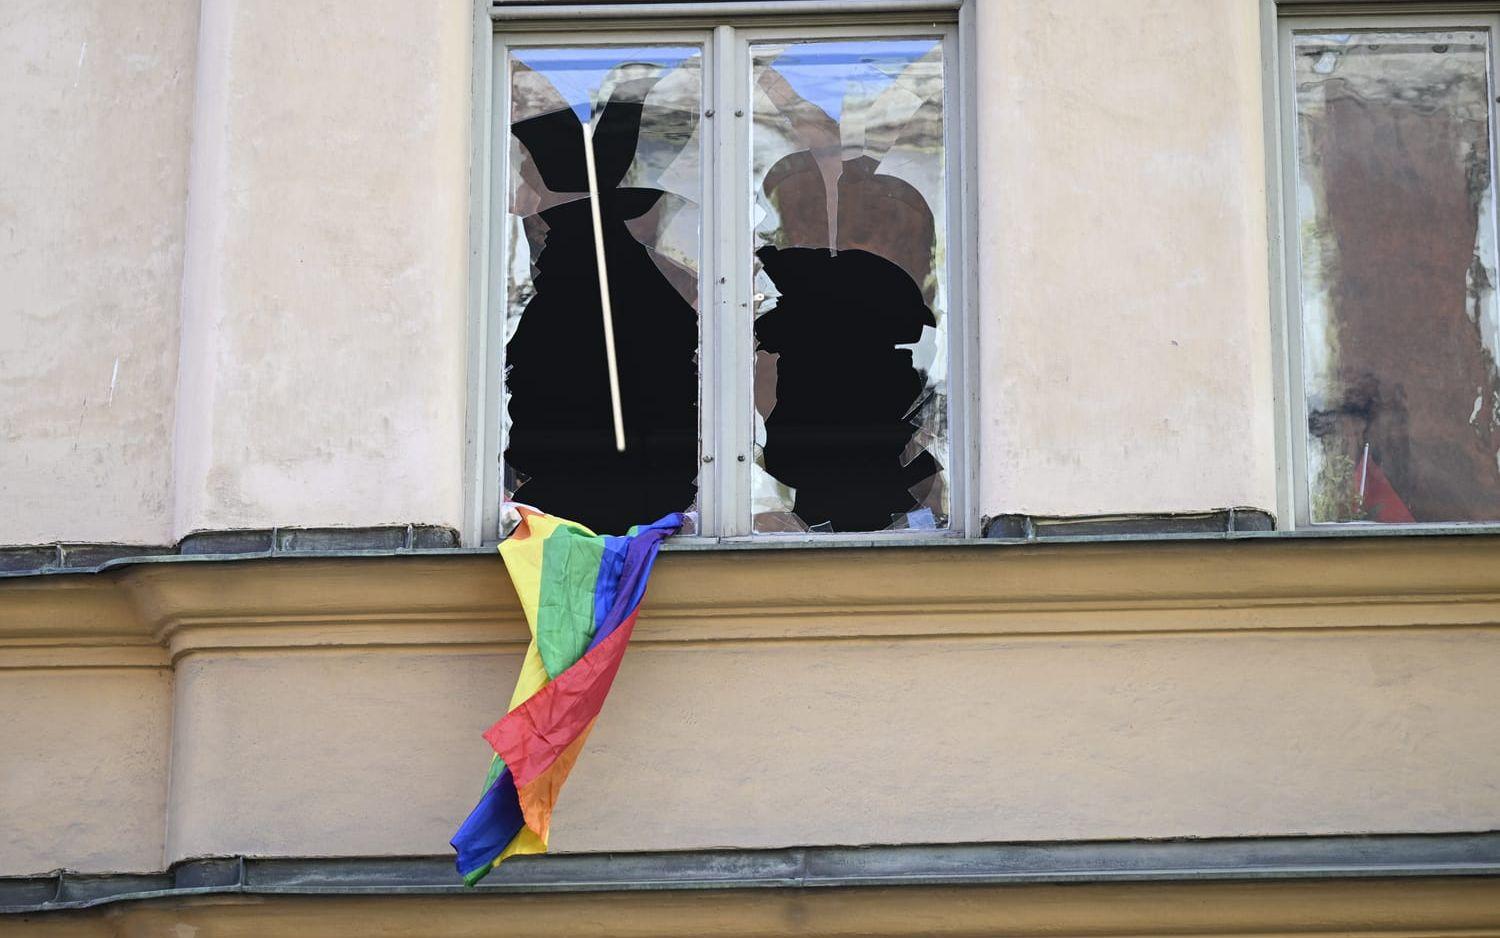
x=604, y=307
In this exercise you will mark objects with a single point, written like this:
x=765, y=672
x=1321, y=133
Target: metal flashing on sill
x=993, y=864
x=418, y=540
x=1224, y=521
x=381, y=540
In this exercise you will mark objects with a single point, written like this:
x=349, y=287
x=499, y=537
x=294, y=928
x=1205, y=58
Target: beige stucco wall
x=97, y=99
x=325, y=298
x=1123, y=275
x=1125, y=348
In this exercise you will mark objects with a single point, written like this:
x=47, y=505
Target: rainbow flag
x=580, y=593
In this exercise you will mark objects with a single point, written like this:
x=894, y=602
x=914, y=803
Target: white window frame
x=726, y=31
x=1279, y=20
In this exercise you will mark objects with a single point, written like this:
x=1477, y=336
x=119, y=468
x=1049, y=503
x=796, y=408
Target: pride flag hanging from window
x=580, y=593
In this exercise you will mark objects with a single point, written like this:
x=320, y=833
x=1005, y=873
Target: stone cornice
x=149, y=614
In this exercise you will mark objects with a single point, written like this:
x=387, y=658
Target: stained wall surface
x=98, y=101
x=325, y=298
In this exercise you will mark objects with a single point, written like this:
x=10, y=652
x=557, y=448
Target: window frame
x=726, y=32
x=1280, y=19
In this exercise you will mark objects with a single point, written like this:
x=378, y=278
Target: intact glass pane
x=643, y=105
x=1395, y=213
x=850, y=286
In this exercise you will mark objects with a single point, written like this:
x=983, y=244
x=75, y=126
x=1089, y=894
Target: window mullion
x=711, y=493
x=732, y=328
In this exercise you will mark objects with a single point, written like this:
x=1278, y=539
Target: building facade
x=1086, y=414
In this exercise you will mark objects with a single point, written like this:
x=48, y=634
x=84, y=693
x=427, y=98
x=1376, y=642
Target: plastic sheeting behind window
x=1396, y=228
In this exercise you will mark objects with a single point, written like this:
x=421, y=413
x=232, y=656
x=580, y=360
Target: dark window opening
x=560, y=453
x=851, y=365
x=844, y=390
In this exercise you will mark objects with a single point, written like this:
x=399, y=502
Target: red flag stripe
x=532, y=736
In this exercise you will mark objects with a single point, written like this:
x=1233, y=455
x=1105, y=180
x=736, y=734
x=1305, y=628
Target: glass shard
x=1396, y=228
x=559, y=454
x=850, y=371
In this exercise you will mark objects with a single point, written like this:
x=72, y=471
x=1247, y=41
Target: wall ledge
x=999, y=531
x=1393, y=856
x=147, y=614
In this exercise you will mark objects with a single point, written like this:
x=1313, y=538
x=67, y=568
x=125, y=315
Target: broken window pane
x=1396, y=223
x=850, y=370
x=560, y=452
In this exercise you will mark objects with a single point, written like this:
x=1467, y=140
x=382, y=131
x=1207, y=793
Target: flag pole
x=604, y=307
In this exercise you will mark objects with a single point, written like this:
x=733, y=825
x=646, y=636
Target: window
x=775, y=220
x=1388, y=201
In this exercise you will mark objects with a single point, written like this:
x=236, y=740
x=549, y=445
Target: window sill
x=149, y=612
x=335, y=543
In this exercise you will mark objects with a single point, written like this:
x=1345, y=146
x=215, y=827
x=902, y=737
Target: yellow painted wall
x=771, y=744
x=83, y=781
x=1065, y=692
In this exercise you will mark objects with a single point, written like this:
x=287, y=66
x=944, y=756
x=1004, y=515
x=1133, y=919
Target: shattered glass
x=1396, y=229
x=643, y=105
x=850, y=289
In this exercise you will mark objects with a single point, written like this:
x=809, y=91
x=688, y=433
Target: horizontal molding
x=1037, y=589
x=21, y=657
